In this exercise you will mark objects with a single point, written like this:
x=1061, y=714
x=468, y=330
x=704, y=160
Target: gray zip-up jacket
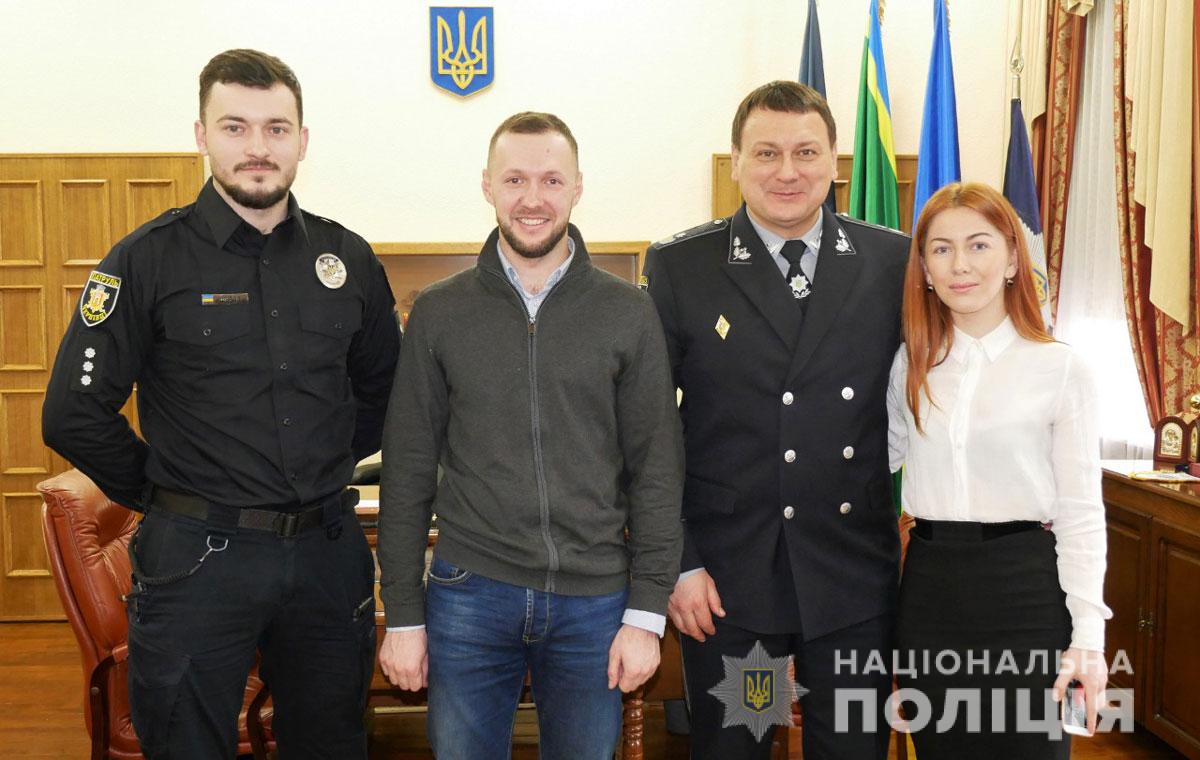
x=554, y=437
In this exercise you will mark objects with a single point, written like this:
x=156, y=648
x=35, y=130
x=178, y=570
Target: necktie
x=798, y=279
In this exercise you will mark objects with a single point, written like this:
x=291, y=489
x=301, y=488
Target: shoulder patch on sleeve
x=99, y=297
x=869, y=225
x=716, y=225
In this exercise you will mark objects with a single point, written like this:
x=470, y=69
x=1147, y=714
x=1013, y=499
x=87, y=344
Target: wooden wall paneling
x=726, y=198
x=21, y=240
x=411, y=267
x=21, y=532
x=59, y=215
x=23, y=337
x=147, y=198
x=21, y=449
x=85, y=225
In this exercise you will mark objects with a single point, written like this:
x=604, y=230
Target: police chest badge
x=331, y=271
x=461, y=53
x=99, y=298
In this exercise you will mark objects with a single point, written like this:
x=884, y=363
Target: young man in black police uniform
x=781, y=324
x=263, y=342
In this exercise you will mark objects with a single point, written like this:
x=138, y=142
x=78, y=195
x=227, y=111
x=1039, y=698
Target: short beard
x=259, y=200
x=532, y=252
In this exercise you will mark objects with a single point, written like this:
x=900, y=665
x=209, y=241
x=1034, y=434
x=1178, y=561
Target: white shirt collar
x=993, y=344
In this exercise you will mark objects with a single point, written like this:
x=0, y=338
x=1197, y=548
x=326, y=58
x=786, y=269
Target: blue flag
x=1021, y=191
x=937, y=161
x=812, y=71
x=812, y=61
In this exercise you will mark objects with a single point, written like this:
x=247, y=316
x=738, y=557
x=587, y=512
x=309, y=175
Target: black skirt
x=975, y=614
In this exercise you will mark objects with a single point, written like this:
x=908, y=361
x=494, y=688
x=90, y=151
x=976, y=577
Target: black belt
x=952, y=530
x=283, y=524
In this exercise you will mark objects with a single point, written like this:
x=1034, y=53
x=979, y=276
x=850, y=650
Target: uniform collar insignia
x=738, y=253
x=843, y=246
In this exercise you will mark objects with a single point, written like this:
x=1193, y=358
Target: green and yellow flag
x=873, y=194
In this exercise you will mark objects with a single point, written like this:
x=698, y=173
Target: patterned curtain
x=1054, y=133
x=1166, y=351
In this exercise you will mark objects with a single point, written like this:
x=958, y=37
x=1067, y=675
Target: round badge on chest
x=331, y=271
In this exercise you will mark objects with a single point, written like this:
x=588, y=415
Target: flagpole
x=1016, y=64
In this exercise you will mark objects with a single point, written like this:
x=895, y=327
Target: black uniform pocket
x=155, y=679
x=206, y=325
x=704, y=498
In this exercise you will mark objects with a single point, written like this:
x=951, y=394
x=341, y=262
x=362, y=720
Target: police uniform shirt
x=263, y=363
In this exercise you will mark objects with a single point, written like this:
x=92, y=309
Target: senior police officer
x=781, y=323
x=263, y=342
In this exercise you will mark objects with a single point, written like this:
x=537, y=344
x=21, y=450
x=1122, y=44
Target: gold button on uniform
x=845, y=508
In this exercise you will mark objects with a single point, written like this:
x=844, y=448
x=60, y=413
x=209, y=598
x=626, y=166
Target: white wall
x=648, y=87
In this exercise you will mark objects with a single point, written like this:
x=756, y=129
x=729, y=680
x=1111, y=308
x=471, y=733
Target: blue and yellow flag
x=874, y=196
x=937, y=160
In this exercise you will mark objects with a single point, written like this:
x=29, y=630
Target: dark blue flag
x=812, y=70
x=937, y=161
x=1021, y=191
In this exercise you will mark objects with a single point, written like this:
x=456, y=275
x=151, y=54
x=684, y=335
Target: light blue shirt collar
x=774, y=243
x=533, y=301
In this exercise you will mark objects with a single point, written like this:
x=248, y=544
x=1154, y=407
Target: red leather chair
x=87, y=538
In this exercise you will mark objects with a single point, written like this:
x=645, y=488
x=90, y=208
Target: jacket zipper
x=535, y=422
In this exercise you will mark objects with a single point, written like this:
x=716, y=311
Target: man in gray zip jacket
x=540, y=384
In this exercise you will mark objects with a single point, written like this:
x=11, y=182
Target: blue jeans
x=485, y=635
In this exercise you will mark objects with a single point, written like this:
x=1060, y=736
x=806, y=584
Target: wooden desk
x=1153, y=588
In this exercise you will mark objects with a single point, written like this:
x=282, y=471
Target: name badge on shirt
x=223, y=299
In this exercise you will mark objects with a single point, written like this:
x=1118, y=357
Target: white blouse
x=1012, y=436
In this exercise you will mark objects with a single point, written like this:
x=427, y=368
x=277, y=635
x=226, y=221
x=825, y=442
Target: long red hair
x=928, y=327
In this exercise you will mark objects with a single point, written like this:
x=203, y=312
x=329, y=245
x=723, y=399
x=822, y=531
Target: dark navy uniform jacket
x=263, y=367
x=787, y=500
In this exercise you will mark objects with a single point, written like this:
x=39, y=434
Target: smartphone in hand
x=1074, y=710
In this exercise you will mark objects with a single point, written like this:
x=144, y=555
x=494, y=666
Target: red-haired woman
x=993, y=422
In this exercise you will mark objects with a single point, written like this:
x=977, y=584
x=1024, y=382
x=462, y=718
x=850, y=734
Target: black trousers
x=305, y=602
x=975, y=615
x=817, y=671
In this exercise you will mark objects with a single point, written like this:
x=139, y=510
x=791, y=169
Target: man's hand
x=404, y=658
x=632, y=658
x=1089, y=669
x=693, y=603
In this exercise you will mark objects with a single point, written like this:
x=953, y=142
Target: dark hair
x=534, y=123
x=249, y=68
x=790, y=97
